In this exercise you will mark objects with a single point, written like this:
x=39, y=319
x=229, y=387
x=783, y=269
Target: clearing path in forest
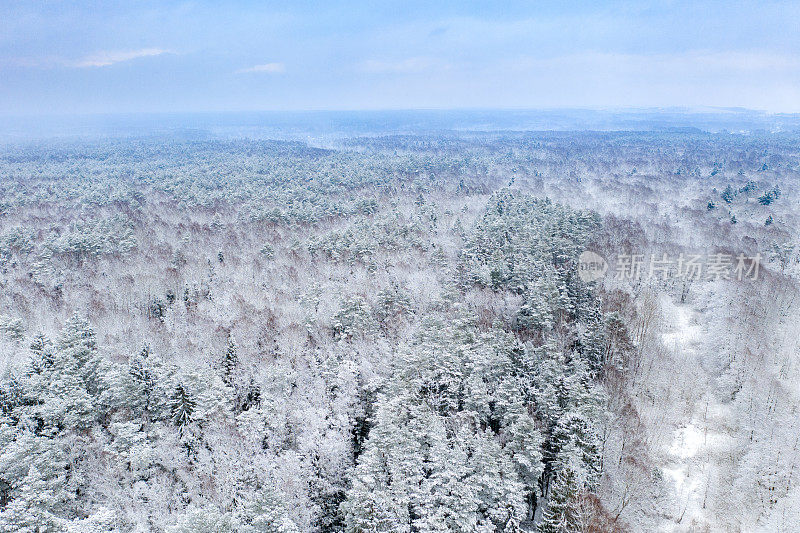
x=693, y=456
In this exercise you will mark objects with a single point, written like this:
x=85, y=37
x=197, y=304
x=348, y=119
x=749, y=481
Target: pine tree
x=182, y=406
x=42, y=351
x=577, y=445
x=37, y=508
x=11, y=395
x=64, y=385
x=434, y=460
x=728, y=194
x=500, y=494
x=268, y=514
x=229, y=362
x=592, y=343
x=523, y=443
x=536, y=313
x=102, y=520
x=384, y=492
x=562, y=514
x=140, y=382
x=77, y=352
x=450, y=497
x=353, y=319
x=205, y=520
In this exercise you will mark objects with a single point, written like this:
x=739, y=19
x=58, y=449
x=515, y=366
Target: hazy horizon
x=308, y=125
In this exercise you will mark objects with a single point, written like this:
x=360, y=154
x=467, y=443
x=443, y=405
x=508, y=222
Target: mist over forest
x=323, y=126
x=369, y=322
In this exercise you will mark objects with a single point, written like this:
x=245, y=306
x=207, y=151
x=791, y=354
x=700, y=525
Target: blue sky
x=98, y=57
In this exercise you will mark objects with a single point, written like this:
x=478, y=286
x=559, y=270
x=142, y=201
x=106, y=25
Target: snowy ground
x=692, y=456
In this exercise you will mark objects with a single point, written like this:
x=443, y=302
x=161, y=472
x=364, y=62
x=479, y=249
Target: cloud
x=107, y=58
x=269, y=68
x=405, y=66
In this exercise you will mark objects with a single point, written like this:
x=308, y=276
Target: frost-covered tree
x=267, y=513
x=562, y=513
x=204, y=520
x=182, y=406
x=229, y=361
x=415, y=473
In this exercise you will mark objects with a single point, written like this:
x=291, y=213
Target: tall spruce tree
x=182, y=406
x=561, y=515
x=229, y=361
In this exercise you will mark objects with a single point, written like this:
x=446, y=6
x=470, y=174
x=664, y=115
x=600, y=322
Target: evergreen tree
x=77, y=353
x=34, y=510
x=267, y=514
x=62, y=387
x=11, y=395
x=229, y=361
x=42, y=352
x=562, y=513
x=382, y=493
x=103, y=520
x=205, y=520
x=728, y=194
x=182, y=406
x=140, y=382
x=449, y=448
x=523, y=444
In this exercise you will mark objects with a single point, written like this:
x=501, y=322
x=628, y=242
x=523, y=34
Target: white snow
x=685, y=330
x=691, y=456
x=688, y=442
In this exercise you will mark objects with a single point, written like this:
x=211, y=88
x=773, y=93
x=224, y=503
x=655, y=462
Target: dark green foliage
x=748, y=188
x=562, y=515
x=11, y=395
x=77, y=352
x=268, y=252
x=250, y=398
x=182, y=406
x=392, y=305
x=367, y=236
x=770, y=196
x=141, y=392
x=521, y=239
x=229, y=362
x=42, y=352
x=157, y=309
x=728, y=195
x=353, y=319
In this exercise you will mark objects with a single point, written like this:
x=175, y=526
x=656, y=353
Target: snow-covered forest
x=391, y=333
